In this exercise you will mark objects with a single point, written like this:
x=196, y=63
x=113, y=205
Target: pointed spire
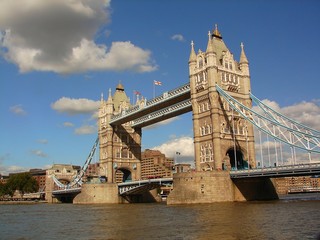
x=109, y=97
x=193, y=55
x=209, y=46
x=243, y=57
x=216, y=32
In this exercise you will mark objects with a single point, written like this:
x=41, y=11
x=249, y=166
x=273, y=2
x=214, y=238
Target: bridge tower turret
x=222, y=138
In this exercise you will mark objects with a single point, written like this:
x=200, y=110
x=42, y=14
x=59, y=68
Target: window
x=208, y=129
x=200, y=62
x=124, y=153
x=118, y=153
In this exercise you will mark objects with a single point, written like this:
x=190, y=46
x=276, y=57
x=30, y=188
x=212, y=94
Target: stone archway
x=123, y=175
x=236, y=159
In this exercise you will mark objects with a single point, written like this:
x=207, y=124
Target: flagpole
x=154, y=89
x=133, y=97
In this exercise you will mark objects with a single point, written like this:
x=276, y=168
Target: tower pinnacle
x=209, y=46
x=193, y=55
x=216, y=32
x=243, y=57
x=109, y=97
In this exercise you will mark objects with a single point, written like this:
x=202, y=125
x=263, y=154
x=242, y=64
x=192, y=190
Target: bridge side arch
x=235, y=158
x=123, y=174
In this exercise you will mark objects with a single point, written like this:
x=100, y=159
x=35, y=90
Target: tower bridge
x=225, y=126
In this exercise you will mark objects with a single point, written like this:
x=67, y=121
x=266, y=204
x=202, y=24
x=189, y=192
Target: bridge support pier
x=98, y=193
x=217, y=186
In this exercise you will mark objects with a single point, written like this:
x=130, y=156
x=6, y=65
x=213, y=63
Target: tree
x=5, y=190
x=2, y=189
x=23, y=182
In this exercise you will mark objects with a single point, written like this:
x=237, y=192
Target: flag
x=136, y=92
x=157, y=83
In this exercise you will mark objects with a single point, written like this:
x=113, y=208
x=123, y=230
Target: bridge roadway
x=167, y=105
x=66, y=191
x=136, y=187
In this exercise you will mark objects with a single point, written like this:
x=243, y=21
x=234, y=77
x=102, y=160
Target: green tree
x=2, y=189
x=23, y=182
x=5, y=190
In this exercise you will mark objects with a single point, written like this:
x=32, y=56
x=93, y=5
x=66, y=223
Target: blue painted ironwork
x=292, y=135
x=77, y=180
x=131, y=113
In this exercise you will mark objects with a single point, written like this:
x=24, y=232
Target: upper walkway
x=169, y=104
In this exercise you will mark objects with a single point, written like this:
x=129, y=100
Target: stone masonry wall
x=98, y=193
x=201, y=187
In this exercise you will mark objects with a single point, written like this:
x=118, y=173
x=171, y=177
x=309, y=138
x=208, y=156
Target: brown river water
x=295, y=217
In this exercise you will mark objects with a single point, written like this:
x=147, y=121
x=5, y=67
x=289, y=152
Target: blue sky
x=58, y=56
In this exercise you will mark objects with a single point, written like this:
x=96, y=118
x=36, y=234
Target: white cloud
x=307, y=113
x=58, y=36
x=178, y=37
x=68, y=124
x=5, y=170
x=74, y=106
x=18, y=110
x=85, y=129
x=183, y=145
x=39, y=153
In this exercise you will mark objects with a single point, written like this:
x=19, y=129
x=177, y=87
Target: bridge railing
x=289, y=170
x=285, y=167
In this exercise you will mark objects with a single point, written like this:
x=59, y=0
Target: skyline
x=54, y=69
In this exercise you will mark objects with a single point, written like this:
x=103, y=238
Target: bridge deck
x=135, y=187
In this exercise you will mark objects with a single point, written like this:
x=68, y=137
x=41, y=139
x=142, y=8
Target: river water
x=290, y=218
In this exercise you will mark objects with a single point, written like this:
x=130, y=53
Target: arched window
x=124, y=153
x=200, y=62
x=208, y=129
x=203, y=131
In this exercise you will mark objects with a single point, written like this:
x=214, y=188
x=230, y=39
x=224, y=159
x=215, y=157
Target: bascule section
x=223, y=138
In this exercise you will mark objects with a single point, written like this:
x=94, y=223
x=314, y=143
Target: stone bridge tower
x=222, y=138
x=120, y=146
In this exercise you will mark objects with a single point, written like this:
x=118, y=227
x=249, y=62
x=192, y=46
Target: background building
x=40, y=176
x=155, y=164
x=304, y=184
